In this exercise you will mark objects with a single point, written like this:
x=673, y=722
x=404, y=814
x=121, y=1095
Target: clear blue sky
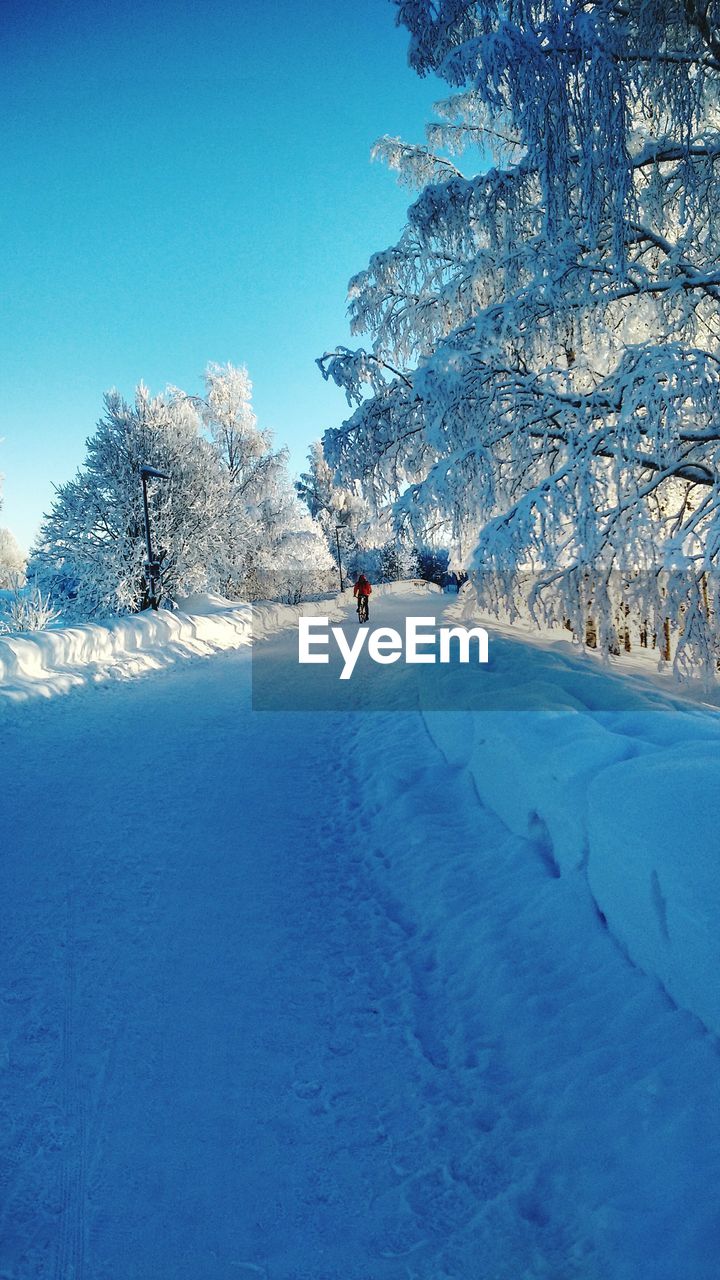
x=185, y=182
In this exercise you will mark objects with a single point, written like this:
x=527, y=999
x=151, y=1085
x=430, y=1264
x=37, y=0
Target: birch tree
x=273, y=548
x=542, y=382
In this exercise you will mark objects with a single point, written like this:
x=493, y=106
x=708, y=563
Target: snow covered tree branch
x=542, y=380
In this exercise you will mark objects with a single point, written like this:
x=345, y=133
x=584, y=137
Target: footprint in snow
x=307, y=1089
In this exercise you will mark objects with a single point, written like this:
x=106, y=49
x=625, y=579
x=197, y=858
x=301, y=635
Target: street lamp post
x=152, y=566
x=337, y=540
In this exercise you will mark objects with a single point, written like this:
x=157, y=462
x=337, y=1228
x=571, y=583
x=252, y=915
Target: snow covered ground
x=45, y=663
x=338, y=996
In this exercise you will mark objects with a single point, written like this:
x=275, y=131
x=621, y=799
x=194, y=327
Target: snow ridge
x=626, y=798
x=55, y=661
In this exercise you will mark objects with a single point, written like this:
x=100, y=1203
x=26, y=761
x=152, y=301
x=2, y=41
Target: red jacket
x=362, y=588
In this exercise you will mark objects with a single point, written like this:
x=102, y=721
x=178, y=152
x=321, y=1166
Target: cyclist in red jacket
x=362, y=590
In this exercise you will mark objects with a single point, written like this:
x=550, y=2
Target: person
x=362, y=590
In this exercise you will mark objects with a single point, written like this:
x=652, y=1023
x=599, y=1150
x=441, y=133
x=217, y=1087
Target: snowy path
x=285, y=1001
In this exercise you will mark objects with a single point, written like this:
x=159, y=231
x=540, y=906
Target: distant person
x=362, y=590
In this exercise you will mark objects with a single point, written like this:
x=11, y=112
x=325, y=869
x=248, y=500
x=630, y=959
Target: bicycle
x=362, y=609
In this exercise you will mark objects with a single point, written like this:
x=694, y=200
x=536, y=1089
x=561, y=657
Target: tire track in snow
x=70, y=1255
x=16, y=1156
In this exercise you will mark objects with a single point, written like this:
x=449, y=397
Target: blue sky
x=185, y=183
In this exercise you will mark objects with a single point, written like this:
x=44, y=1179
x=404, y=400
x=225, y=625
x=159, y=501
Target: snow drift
x=626, y=798
x=44, y=663
x=50, y=662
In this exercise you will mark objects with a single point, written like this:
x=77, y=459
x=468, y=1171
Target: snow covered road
x=282, y=998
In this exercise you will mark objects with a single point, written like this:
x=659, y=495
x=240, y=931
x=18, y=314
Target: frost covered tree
x=342, y=513
x=231, y=422
x=227, y=516
x=289, y=559
x=328, y=503
x=395, y=560
x=12, y=560
x=250, y=464
x=432, y=564
x=292, y=561
x=542, y=388
x=91, y=549
x=273, y=547
x=367, y=540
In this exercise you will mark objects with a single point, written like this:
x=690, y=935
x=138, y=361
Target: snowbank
x=50, y=662
x=627, y=799
x=654, y=866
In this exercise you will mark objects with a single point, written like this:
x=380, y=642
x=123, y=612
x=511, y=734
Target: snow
x=655, y=871
x=620, y=782
x=55, y=661
x=538, y=386
x=635, y=820
x=329, y=996
x=230, y=512
x=62, y=658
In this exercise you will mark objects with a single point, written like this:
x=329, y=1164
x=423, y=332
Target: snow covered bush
x=543, y=386
x=28, y=609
